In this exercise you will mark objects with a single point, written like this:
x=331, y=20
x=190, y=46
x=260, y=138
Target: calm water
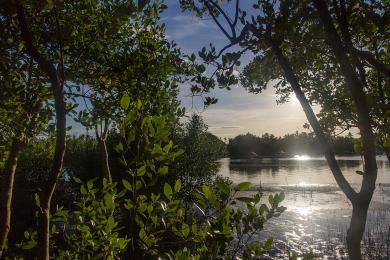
x=317, y=213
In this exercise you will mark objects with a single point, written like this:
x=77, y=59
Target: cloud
x=183, y=26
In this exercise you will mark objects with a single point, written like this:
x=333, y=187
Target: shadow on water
x=318, y=213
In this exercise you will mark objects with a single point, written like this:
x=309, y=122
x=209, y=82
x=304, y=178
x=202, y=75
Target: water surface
x=318, y=213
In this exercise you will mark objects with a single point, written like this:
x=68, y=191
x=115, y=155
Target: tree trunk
x=104, y=159
x=356, y=229
x=356, y=88
x=57, y=89
x=48, y=190
x=387, y=152
x=311, y=117
x=6, y=192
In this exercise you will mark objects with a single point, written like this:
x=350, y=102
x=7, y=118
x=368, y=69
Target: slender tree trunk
x=48, y=190
x=60, y=109
x=104, y=159
x=6, y=192
x=311, y=117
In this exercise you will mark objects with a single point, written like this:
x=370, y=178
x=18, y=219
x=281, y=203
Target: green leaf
x=226, y=230
x=168, y=191
x=206, y=191
x=163, y=170
x=110, y=223
x=119, y=148
x=130, y=117
x=185, y=230
x=83, y=191
x=139, y=104
x=270, y=199
x=89, y=184
x=37, y=200
x=125, y=101
x=77, y=180
x=210, y=196
x=131, y=136
x=281, y=196
x=268, y=243
x=29, y=245
x=157, y=149
x=138, y=185
x=127, y=185
x=20, y=46
x=168, y=146
x=263, y=208
x=141, y=171
x=142, y=234
x=242, y=186
x=109, y=201
x=177, y=186
x=223, y=188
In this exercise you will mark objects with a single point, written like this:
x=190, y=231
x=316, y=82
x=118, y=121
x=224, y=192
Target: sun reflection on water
x=301, y=157
x=303, y=184
x=304, y=211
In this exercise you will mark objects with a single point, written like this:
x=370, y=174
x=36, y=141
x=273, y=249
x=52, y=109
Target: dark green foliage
x=91, y=229
x=139, y=217
x=82, y=158
x=198, y=165
x=250, y=146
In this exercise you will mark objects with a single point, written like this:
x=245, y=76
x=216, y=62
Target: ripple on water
x=318, y=213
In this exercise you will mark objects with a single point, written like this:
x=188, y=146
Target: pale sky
x=237, y=112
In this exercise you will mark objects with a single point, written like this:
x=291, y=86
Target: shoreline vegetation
x=250, y=146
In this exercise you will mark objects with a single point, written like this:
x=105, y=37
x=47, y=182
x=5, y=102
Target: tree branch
x=236, y=15
x=369, y=57
x=231, y=25
x=216, y=21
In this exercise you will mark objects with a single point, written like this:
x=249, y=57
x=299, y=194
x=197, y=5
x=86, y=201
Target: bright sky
x=237, y=112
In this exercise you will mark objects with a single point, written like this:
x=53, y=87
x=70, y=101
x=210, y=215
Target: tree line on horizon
x=267, y=145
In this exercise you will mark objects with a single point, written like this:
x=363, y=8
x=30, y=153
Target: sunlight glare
x=301, y=157
x=304, y=211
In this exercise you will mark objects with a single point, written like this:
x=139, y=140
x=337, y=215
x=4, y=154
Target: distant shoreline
x=306, y=157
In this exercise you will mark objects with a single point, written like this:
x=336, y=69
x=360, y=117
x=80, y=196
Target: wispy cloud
x=184, y=26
